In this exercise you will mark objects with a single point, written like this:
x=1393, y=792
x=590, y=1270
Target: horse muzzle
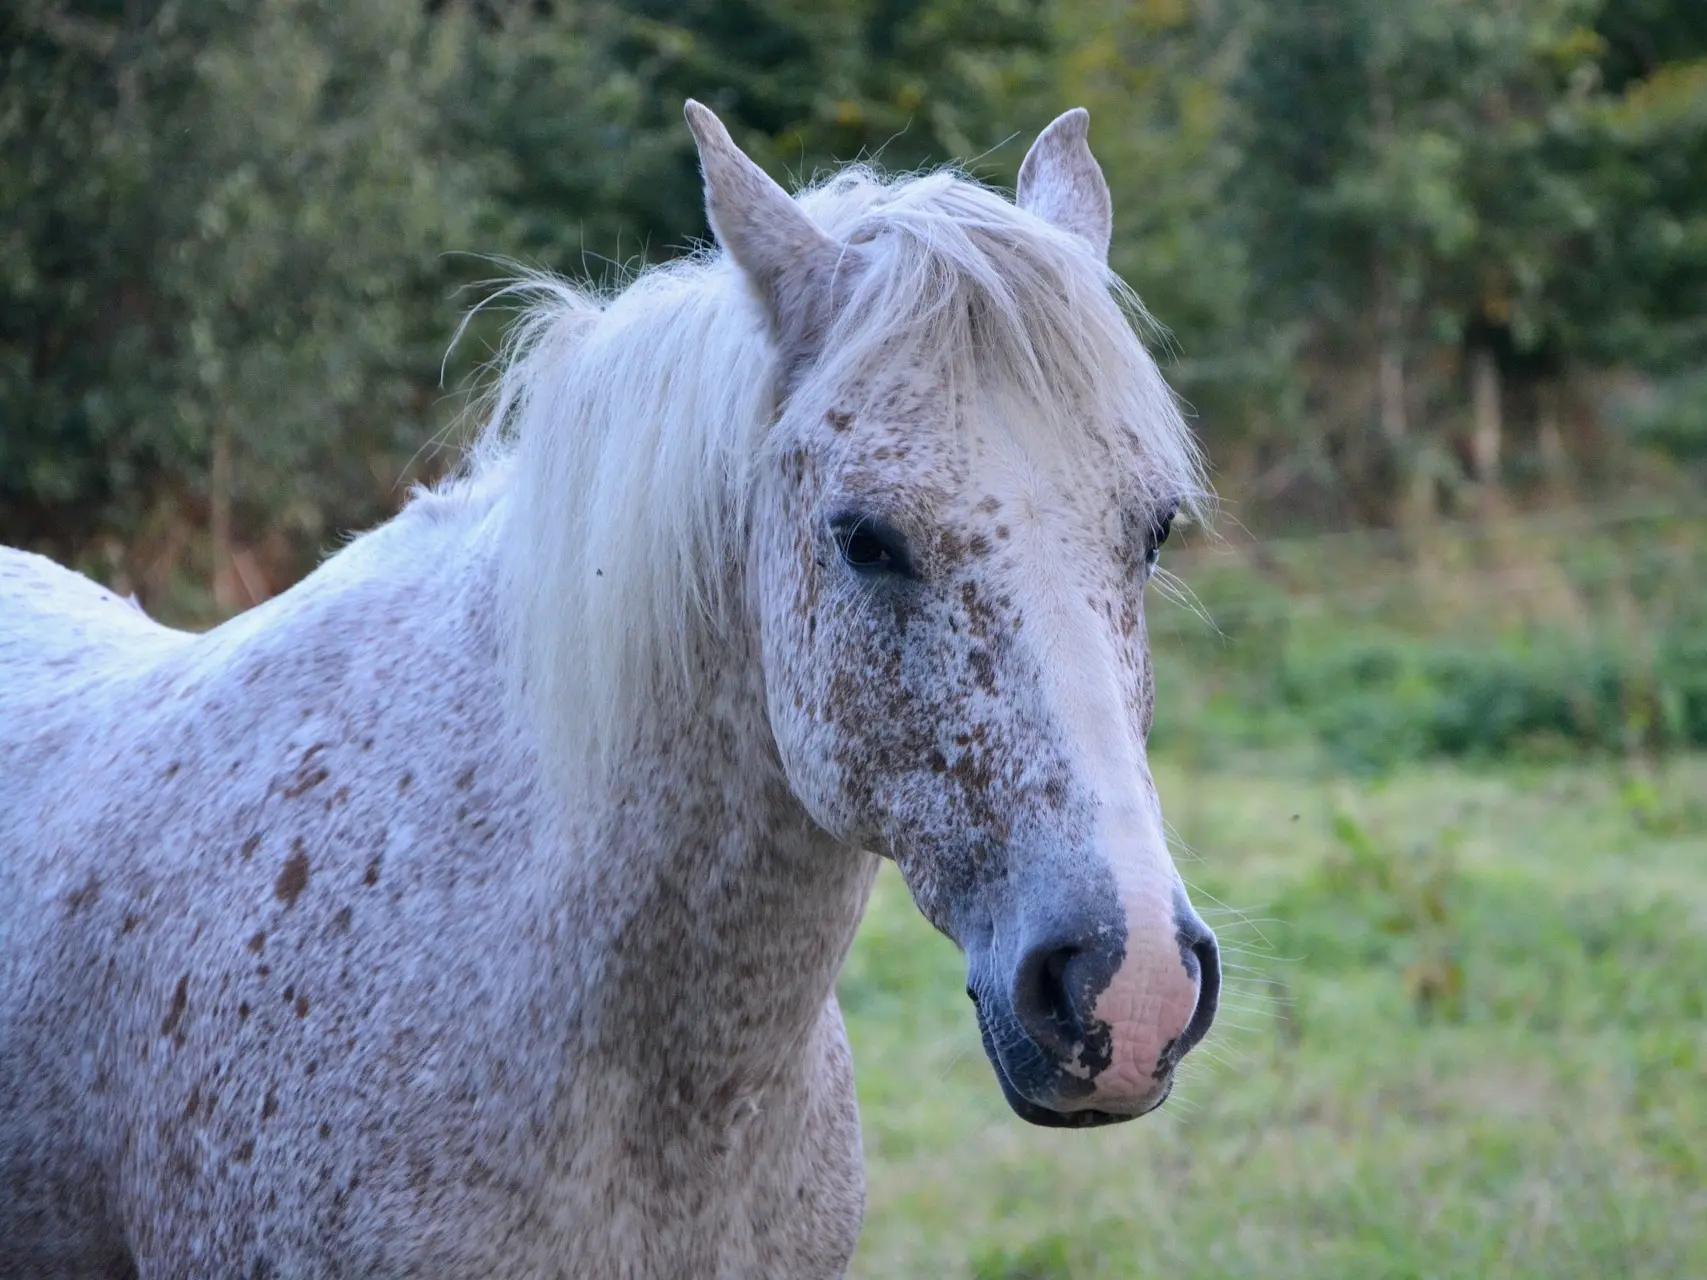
x=1085, y=1026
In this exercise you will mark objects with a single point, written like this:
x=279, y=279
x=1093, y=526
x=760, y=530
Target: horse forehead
x=978, y=467
x=1046, y=547
x=1034, y=498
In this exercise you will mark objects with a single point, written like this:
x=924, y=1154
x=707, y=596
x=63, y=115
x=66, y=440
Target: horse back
x=69, y=647
x=60, y=632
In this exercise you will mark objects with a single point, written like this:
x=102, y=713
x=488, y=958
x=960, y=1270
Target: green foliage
x=1672, y=416
x=1377, y=703
x=245, y=227
x=1049, y=1257
x=241, y=226
x=1538, y=640
x=1421, y=176
x=1394, y=909
x=248, y=244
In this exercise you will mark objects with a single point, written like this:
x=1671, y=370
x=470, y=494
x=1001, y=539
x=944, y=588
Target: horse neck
x=726, y=912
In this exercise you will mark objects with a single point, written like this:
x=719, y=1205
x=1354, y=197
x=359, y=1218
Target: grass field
x=1466, y=1037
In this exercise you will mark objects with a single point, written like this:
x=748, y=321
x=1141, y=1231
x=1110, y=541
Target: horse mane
x=624, y=426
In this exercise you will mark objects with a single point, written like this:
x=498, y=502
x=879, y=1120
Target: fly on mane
x=626, y=425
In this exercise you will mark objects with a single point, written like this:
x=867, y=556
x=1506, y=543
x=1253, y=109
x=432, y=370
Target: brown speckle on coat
x=293, y=876
x=175, y=1012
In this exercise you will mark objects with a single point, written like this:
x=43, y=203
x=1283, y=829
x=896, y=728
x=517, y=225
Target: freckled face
x=958, y=676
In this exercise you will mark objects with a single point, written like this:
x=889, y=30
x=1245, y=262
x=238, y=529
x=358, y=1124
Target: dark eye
x=870, y=544
x=1159, y=531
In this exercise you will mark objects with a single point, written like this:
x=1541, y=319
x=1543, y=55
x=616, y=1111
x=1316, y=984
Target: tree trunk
x=1416, y=488
x=1550, y=439
x=1395, y=423
x=1486, y=408
x=225, y=585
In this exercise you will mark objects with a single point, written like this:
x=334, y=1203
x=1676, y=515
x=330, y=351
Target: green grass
x=1468, y=1039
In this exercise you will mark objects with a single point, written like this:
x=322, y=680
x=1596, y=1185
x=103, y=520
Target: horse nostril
x=1200, y=943
x=1043, y=1000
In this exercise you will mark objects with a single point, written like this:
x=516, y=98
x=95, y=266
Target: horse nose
x=1197, y=948
x=1056, y=984
x=1054, y=989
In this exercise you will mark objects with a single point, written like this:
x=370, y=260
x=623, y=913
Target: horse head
x=971, y=470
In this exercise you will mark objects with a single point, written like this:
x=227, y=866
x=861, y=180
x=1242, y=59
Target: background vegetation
x=1418, y=258
x=1465, y=1039
x=1433, y=698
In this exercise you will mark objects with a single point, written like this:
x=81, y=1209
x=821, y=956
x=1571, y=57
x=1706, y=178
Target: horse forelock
x=626, y=425
x=960, y=279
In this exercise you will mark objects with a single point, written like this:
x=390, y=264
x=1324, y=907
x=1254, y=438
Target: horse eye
x=871, y=545
x=1158, y=535
x=864, y=551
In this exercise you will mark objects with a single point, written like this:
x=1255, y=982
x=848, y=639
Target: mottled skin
x=305, y=1052
x=314, y=961
x=938, y=731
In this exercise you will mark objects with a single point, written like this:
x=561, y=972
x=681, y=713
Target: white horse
x=475, y=908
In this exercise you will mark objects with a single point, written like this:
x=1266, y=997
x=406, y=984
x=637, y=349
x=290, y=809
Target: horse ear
x=787, y=258
x=1062, y=183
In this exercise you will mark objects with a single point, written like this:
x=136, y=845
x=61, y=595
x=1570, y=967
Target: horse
x=475, y=907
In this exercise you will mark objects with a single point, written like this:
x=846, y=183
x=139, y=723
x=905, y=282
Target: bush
x=1373, y=681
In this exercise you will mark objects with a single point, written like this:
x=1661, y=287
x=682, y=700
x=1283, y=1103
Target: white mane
x=628, y=425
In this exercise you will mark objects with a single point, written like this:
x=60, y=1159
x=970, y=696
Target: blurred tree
x=1427, y=178
x=230, y=232
x=74, y=228
x=1352, y=145
x=1643, y=303
x=583, y=103
x=221, y=268
x=1643, y=143
x=1154, y=75
x=1584, y=169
